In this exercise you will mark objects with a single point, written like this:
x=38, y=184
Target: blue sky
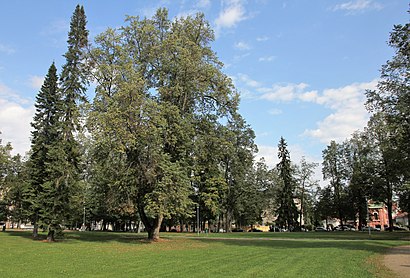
x=302, y=67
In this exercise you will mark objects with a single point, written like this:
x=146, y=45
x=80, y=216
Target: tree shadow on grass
x=95, y=236
x=376, y=246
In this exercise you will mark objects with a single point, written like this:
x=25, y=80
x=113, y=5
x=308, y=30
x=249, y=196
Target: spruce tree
x=287, y=211
x=46, y=135
x=73, y=84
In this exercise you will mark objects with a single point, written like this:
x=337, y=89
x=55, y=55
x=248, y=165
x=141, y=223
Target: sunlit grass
x=98, y=254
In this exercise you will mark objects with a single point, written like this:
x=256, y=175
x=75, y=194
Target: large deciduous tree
x=5, y=163
x=157, y=80
x=335, y=169
x=390, y=123
x=305, y=183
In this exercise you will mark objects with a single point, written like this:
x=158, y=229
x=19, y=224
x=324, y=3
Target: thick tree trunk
x=50, y=235
x=153, y=231
x=152, y=226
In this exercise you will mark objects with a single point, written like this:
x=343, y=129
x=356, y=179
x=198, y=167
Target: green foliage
x=336, y=169
x=44, y=165
x=73, y=76
x=389, y=127
x=305, y=188
x=158, y=85
x=286, y=211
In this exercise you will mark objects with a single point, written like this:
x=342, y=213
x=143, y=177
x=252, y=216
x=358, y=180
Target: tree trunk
x=50, y=235
x=138, y=226
x=35, y=230
x=153, y=231
x=302, y=205
x=390, y=213
x=228, y=221
x=152, y=226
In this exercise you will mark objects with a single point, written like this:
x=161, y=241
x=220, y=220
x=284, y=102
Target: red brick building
x=378, y=215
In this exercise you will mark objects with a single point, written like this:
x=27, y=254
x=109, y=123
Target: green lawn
x=98, y=254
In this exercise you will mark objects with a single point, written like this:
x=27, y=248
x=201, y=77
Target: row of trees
x=375, y=163
x=163, y=136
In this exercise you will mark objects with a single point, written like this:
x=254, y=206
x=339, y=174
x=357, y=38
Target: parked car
x=235, y=230
x=345, y=228
x=320, y=229
x=255, y=230
x=277, y=229
x=372, y=229
x=398, y=228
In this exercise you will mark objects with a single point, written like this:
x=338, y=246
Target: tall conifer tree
x=73, y=84
x=287, y=211
x=45, y=136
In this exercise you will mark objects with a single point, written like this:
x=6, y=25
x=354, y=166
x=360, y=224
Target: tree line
x=163, y=140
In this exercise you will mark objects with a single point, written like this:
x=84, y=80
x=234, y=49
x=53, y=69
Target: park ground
x=105, y=254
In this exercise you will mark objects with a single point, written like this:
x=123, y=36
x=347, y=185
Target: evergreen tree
x=73, y=80
x=46, y=138
x=73, y=84
x=287, y=211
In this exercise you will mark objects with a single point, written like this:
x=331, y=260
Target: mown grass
x=98, y=254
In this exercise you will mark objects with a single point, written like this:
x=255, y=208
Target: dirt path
x=398, y=260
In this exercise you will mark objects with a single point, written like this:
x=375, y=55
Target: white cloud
x=267, y=59
x=15, y=118
x=242, y=46
x=353, y=7
x=262, y=39
x=232, y=13
x=240, y=57
x=349, y=112
x=310, y=96
x=270, y=154
x=282, y=93
x=56, y=27
x=248, y=81
x=9, y=94
x=6, y=49
x=36, y=81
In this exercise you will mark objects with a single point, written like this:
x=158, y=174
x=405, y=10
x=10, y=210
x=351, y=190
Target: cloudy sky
x=301, y=66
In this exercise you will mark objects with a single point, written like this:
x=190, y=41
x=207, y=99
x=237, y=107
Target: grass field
x=99, y=254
